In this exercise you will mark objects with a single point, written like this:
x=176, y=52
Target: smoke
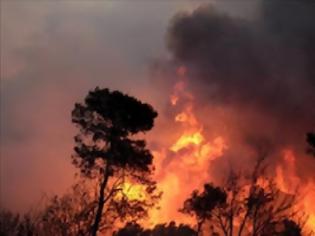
x=49, y=61
x=248, y=80
x=263, y=67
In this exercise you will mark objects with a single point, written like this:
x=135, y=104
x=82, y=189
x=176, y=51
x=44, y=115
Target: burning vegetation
x=257, y=201
x=235, y=160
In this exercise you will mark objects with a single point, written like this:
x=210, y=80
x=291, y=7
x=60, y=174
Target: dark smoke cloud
x=267, y=63
x=293, y=23
x=264, y=65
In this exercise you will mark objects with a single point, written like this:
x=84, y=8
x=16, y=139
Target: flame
x=186, y=140
x=132, y=191
x=170, y=186
x=183, y=164
x=186, y=117
x=188, y=156
x=289, y=182
x=174, y=100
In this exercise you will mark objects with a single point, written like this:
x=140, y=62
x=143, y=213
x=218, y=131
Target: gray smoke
x=264, y=65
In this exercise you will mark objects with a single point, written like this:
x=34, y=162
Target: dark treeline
x=109, y=156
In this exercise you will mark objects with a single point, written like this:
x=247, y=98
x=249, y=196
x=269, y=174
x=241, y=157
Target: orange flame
x=289, y=182
x=132, y=191
x=186, y=140
x=183, y=165
x=188, y=157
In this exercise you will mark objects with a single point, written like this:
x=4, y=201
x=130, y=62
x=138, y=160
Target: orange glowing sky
x=51, y=55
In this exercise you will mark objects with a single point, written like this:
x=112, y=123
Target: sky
x=52, y=54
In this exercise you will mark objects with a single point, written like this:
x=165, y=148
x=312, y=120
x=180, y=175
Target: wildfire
x=289, y=182
x=186, y=140
x=187, y=117
x=188, y=156
x=183, y=165
x=174, y=100
x=290, y=174
x=132, y=191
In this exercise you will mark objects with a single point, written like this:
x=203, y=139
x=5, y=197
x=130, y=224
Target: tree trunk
x=243, y=224
x=101, y=202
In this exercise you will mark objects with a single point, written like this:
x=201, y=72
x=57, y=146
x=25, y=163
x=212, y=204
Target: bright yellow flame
x=170, y=185
x=186, y=140
x=311, y=222
x=192, y=156
x=132, y=191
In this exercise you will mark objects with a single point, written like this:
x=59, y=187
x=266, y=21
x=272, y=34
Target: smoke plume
x=263, y=67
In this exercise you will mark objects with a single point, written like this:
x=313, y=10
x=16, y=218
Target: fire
x=183, y=165
x=174, y=100
x=186, y=140
x=132, y=191
x=187, y=117
x=170, y=186
x=188, y=156
x=311, y=221
x=289, y=182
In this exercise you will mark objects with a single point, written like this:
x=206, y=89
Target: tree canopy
x=202, y=204
x=171, y=229
x=247, y=204
x=106, y=120
x=107, y=150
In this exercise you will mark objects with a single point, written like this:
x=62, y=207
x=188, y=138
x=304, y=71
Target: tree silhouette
x=171, y=229
x=134, y=229
x=70, y=214
x=106, y=149
x=248, y=204
x=202, y=204
x=310, y=139
x=290, y=228
x=13, y=224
